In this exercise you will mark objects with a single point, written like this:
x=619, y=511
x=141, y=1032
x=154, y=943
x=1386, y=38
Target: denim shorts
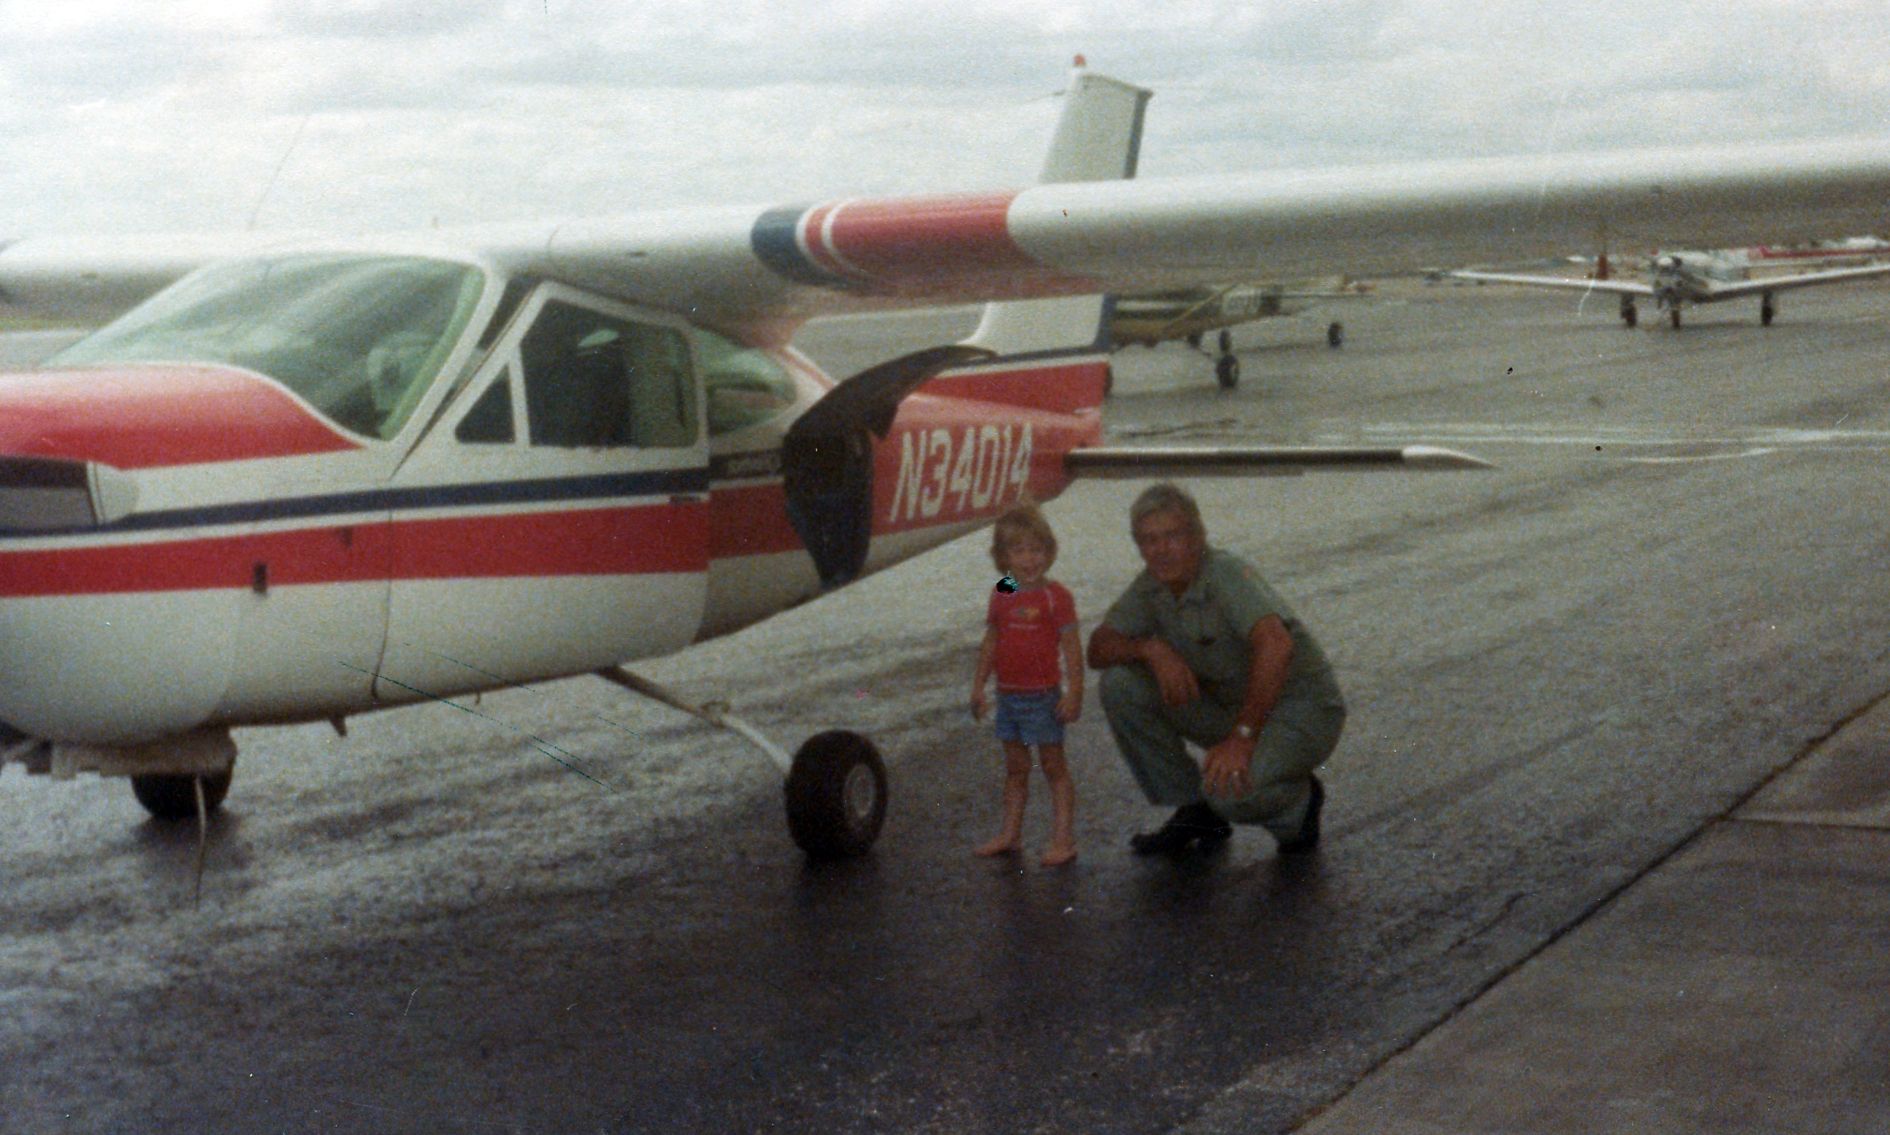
x=1030, y=717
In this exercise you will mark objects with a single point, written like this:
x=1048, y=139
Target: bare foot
x=1058, y=856
x=999, y=846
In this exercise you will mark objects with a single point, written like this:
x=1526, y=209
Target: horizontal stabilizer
x=1164, y=461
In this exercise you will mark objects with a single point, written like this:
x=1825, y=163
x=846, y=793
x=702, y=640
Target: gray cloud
x=380, y=19
x=174, y=117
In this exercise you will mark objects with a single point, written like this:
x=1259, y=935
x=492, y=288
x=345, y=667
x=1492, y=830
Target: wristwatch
x=1243, y=731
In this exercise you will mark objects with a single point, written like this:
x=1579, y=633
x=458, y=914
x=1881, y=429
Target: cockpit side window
x=599, y=380
x=745, y=386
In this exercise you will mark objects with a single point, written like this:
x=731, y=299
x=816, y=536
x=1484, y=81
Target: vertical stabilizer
x=1098, y=138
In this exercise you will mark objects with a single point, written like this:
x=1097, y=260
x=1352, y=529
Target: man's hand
x=979, y=703
x=1070, y=706
x=1227, y=769
x=1178, y=684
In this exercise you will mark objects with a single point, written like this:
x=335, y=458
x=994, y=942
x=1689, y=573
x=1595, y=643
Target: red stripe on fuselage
x=142, y=417
x=1057, y=389
x=604, y=541
x=608, y=541
x=750, y=520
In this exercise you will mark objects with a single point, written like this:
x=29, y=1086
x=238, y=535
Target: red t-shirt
x=1029, y=622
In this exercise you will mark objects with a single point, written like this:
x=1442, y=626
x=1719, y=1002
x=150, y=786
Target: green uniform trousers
x=1151, y=735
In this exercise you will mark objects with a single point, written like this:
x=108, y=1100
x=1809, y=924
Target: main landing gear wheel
x=1630, y=315
x=1673, y=317
x=1227, y=372
x=836, y=795
x=1335, y=335
x=1766, y=312
x=173, y=796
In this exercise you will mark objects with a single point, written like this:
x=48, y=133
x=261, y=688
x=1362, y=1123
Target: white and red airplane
x=1680, y=277
x=305, y=480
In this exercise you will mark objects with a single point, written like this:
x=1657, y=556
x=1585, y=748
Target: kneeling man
x=1200, y=649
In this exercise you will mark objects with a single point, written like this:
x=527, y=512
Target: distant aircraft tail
x=1053, y=354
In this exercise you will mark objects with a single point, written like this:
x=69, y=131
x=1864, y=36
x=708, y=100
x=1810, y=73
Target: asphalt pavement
x=1740, y=987
x=1604, y=844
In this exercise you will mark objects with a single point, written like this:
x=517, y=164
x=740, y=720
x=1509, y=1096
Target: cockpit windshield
x=360, y=337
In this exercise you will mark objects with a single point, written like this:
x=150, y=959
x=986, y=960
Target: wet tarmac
x=1559, y=671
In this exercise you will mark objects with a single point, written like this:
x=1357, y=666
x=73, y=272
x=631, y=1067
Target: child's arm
x=987, y=660
x=1070, y=705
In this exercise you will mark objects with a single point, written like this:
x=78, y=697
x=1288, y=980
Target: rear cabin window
x=596, y=380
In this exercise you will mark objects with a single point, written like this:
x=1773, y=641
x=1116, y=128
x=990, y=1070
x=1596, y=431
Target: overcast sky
x=127, y=115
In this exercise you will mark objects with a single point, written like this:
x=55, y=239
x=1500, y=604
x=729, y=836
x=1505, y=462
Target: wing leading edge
x=755, y=268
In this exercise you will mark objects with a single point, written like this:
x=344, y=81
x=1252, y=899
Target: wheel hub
x=860, y=795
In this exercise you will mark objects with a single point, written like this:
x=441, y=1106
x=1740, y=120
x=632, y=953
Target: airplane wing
x=1128, y=236
x=1766, y=284
x=90, y=279
x=764, y=270
x=1613, y=287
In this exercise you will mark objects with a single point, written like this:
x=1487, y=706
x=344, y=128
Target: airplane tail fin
x=1053, y=353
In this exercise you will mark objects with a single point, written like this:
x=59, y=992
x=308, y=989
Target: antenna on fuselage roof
x=277, y=172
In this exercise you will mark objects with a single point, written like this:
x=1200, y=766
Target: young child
x=1030, y=627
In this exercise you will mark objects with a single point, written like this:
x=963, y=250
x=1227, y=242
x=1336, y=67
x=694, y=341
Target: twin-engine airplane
x=1676, y=279
x=300, y=481
x=1190, y=313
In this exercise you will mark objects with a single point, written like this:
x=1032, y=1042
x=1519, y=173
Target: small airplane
x=1678, y=278
x=1190, y=313
x=297, y=480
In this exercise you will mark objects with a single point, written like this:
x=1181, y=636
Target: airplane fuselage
x=489, y=481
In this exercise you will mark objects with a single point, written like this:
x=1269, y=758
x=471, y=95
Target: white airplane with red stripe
x=1678, y=278
x=297, y=480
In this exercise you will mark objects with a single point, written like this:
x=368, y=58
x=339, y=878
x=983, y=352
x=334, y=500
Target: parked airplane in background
x=305, y=480
x=1676, y=279
x=1190, y=313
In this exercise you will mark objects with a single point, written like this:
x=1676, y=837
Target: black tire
x=1766, y=313
x=1335, y=335
x=1225, y=341
x=1227, y=372
x=1630, y=315
x=836, y=795
x=1673, y=317
x=173, y=796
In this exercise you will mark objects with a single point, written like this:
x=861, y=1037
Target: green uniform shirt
x=1209, y=624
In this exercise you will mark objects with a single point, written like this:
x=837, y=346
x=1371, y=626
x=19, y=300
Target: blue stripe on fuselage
x=547, y=490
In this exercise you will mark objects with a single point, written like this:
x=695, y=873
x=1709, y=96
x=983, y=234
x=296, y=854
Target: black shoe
x=1308, y=837
x=1191, y=824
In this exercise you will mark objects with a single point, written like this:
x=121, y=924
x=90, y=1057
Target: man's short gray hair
x=1167, y=497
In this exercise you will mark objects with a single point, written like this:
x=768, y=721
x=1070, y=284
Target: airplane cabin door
x=555, y=518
